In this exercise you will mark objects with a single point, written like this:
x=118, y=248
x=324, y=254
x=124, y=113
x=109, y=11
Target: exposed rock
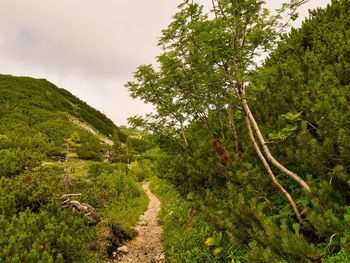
x=161, y=257
x=142, y=223
x=123, y=249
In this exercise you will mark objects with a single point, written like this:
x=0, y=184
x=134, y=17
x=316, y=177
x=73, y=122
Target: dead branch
x=89, y=211
x=66, y=196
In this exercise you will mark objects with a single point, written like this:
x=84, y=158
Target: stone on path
x=123, y=249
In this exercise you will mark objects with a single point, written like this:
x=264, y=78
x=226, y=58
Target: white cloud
x=88, y=47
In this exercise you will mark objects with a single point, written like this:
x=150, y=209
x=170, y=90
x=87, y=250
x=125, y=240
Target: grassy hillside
x=35, y=124
x=28, y=92
x=45, y=154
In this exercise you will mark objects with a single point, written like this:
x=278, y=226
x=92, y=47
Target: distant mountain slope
x=43, y=94
x=35, y=123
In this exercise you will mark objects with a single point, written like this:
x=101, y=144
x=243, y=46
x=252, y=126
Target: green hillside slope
x=19, y=91
x=46, y=154
x=34, y=123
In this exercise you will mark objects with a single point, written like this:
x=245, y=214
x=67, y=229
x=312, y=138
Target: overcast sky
x=89, y=47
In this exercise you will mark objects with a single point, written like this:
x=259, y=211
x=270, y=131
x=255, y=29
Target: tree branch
x=269, y=171
x=266, y=149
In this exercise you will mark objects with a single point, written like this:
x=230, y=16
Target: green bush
x=188, y=235
x=13, y=161
x=142, y=169
x=90, y=149
x=52, y=235
x=341, y=257
x=49, y=234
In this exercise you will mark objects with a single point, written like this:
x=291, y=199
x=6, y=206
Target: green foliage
x=284, y=133
x=121, y=153
x=15, y=160
x=29, y=190
x=142, y=169
x=341, y=257
x=116, y=194
x=300, y=96
x=40, y=99
x=36, y=134
x=184, y=237
x=90, y=149
x=189, y=234
x=307, y=73
x=120, y=135
x=48, y=236
x=34, y=124
x=46, y=231
x=138, y=145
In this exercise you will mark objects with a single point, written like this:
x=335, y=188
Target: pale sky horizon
x=91, y=49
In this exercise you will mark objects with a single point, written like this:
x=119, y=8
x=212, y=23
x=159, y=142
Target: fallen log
x=89, y=211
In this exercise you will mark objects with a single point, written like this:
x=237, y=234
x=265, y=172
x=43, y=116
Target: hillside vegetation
x=254, y=161
x=45, y=153
x=35, y=123
x=250, y=161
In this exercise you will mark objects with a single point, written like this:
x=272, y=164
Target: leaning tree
x=208, y=64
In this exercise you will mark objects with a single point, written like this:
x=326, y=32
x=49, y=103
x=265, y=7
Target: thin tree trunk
x=233, y=129
x=266, y=149
x=269, y=171
x=222, y=128
x=183, y=134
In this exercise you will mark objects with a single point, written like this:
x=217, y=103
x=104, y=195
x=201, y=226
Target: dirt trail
x=146, y=247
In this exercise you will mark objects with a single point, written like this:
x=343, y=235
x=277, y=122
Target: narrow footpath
x=146, y=247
